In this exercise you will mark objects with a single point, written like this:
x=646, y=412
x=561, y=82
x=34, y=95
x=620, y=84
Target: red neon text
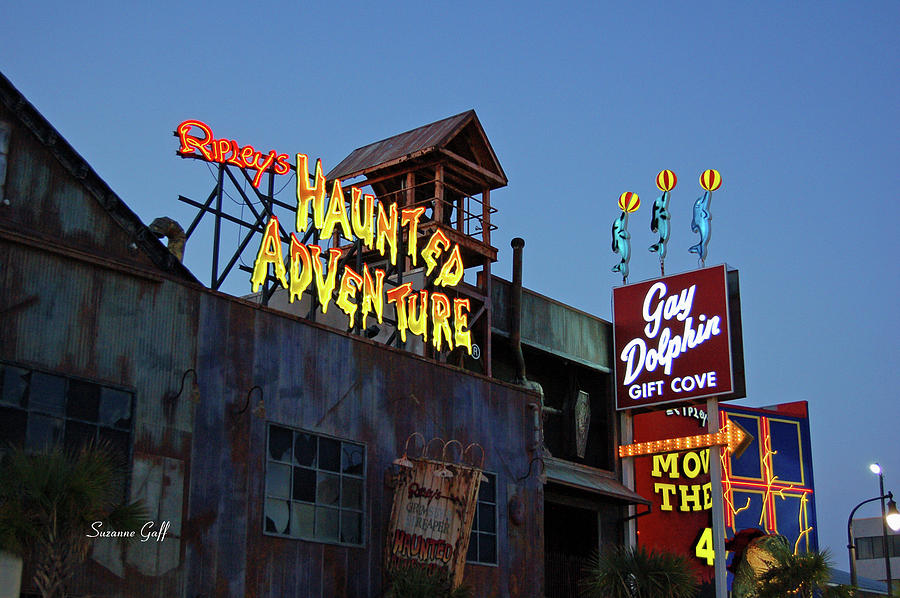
x=227, y=151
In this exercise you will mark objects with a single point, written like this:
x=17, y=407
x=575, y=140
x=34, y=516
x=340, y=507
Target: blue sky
x=794, y=103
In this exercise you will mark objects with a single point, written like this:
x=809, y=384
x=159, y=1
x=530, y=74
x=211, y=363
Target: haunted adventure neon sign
x=431, y=315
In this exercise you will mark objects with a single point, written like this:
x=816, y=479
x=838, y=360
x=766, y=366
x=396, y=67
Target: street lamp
x=890, y=516
x=850, y=544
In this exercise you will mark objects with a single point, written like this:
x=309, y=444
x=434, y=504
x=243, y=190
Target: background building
x=868, y=535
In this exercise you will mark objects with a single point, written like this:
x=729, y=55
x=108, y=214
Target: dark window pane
x=352, y=459
x=329, y=454
x=43, y=431
x=351, y=527
x=486, y=490
x=280, y=443
x=115, y=408
x=472, y=554
x=303, y=519
x=328, y=489
x=351, y=493
x=278, y=480
x=877, y=548
x=278, y=516
x=78, y=435
x=14, y=383
x=304, y=484
x=47, y=393
x=305, y=449
x=487, y=548
x=12, y=427
x=487, y=518
x=83, y=400
x=864, y=548
x=118, y=442
x=328, y=524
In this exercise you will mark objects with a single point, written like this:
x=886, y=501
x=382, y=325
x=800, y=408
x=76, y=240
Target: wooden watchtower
x=448, y=167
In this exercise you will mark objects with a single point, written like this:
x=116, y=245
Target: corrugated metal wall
x=333, y=384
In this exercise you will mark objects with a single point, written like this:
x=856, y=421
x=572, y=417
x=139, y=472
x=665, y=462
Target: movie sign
x=431, y=519
x=672, y=339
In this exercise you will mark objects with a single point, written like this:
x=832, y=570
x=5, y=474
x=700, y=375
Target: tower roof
x=460, y=138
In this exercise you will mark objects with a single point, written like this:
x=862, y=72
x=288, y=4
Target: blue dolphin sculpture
x=621, y=244
x=659, y=223
x=700, y=223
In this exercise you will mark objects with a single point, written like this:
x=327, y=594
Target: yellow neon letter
x=305, y=194
x=351, y=282
x=452, y=270
x=301, y=269
x=269, y=253
x=337, y=213
x=461, y=335
x=433, y=249
x=373, y=294
x=363, y=227
x=387, y=229
x=397, y=296
x=324, y=284
x=410, y=217
x=440, y=311
x=418, y=319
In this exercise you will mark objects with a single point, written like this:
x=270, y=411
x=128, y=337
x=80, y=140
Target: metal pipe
x=515, y=311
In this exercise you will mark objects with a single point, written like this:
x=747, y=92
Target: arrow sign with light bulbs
x=733, y=436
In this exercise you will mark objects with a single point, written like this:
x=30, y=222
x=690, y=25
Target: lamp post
x=876, y=469
x=893, y=515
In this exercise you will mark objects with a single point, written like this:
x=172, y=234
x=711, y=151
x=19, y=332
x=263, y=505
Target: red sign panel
x=672, y=339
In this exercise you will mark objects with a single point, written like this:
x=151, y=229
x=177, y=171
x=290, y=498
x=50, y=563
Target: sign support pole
x=718, y=502
x=626, y=420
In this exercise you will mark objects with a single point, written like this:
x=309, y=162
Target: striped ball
x=710, y=180
x=666, y=180
x=629, y=202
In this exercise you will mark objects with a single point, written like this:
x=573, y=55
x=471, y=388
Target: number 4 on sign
x=704, y=548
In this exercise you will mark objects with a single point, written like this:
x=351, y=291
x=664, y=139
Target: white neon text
x=657, y=307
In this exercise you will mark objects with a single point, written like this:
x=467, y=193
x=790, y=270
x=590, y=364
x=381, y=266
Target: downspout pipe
x=515, y=338
x=515, y=310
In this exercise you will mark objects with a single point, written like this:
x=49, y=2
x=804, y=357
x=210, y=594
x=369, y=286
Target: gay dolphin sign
x=672, y=339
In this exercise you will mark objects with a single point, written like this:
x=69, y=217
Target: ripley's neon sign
x=228, y=151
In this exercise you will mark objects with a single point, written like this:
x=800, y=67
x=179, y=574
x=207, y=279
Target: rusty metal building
x=219, y=401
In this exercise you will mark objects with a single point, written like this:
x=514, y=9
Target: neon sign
x=732, y=436
x=672, y=339
x=379, y=229
x=768, y=486
x=228, y=151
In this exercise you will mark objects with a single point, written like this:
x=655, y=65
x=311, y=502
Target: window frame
x=475, y=532
x=363, y=511
x=64, y=416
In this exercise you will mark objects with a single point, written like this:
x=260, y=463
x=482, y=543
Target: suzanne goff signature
x=147, y=532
